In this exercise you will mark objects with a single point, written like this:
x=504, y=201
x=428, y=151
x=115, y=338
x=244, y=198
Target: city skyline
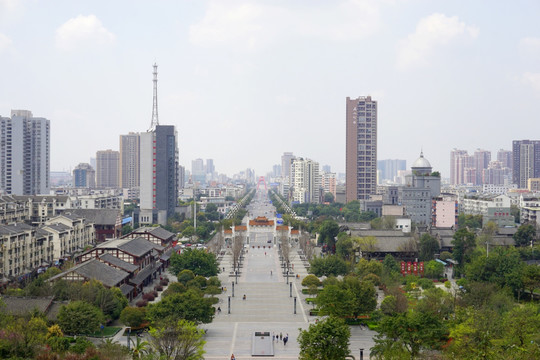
x=444, y=74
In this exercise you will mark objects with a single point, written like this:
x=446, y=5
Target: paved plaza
x=269, y=305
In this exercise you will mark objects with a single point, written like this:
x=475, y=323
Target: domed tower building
x=421, y=187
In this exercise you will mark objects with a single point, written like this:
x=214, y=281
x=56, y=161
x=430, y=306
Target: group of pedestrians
x=280, y=337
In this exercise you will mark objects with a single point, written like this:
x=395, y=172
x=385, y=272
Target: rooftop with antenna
x=155, y=120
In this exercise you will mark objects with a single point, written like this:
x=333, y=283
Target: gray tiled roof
x=379, y=233
x=14, y=229
x=22, y=305
x=391, y=243
x=95, y=269
x=58, y=227
x=96, y=216
x=156, y=231
x=161, y=233
x=113, y=260
x=139, y=246
x=126, y=289
x=143, y=274
x=507, y=231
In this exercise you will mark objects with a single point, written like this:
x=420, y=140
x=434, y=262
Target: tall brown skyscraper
x=361, y=148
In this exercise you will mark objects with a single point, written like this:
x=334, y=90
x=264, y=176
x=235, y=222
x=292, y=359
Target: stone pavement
x=269, y=306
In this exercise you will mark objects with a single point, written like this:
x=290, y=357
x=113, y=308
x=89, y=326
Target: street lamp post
x=290, y=289
x=233, y=289
x=295, y=305
x=229, y=308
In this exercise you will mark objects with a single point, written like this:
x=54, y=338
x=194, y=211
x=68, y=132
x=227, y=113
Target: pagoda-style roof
x=261, y=221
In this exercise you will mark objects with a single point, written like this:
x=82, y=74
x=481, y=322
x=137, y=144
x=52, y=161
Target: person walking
x=280, y=336
x=233, y=357
x=285, y=339
x=273, y=337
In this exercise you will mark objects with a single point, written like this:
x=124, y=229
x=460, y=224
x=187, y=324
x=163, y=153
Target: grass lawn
x=108, y=331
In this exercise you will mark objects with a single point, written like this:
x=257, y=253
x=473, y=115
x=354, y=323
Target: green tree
x=325, y=340
x=377, y=224
x=311, y=280
x=328, y=231
x=189, y=305
x=366, y=267
x=524, y=235
x=335, y=300
x=345, y=246
x=133, y=316
x=408, y=334
x=475, y=333
x=531, y=278
x=389, y=222
x=180, y=341
x=433, y=269
x=126, y=229
x=521, y=329
x=211, y=212
x=503, y=267
x=199, y=261
x=514, y=211
x=139, y=348
x=328, y=197
x=464, y=242
x=390, y=265
x=80, y=317
x=328, y=265
x=470, y=221
x=428, y=247
x=367, y=216
x=365, y=300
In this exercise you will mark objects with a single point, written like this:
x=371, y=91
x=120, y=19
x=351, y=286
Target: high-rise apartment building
x=525, y=161
x=494, y=174
x=84, y=176
x=361, y=148
x=24, y=154
x=460, y=160
x=481, y=162
x=129, y=161
x=198, y=172
x=505, y=157
x=158, y=169
x=389, y=168
x=210, y=168
x=329, y=183
x=107, y=164
x=159, y=174
x=305, y=181
x=286, y=160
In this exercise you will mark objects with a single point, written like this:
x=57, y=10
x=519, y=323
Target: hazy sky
x=244, y=81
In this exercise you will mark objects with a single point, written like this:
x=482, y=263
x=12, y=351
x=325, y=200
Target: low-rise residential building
x=13, y=211
x=107, y=222
x=444, y=212
x=23, y=249
x=530, y=215
x=71, y=235
x=479, y=205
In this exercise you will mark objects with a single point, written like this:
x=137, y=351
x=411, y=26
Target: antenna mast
x=155, y=120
